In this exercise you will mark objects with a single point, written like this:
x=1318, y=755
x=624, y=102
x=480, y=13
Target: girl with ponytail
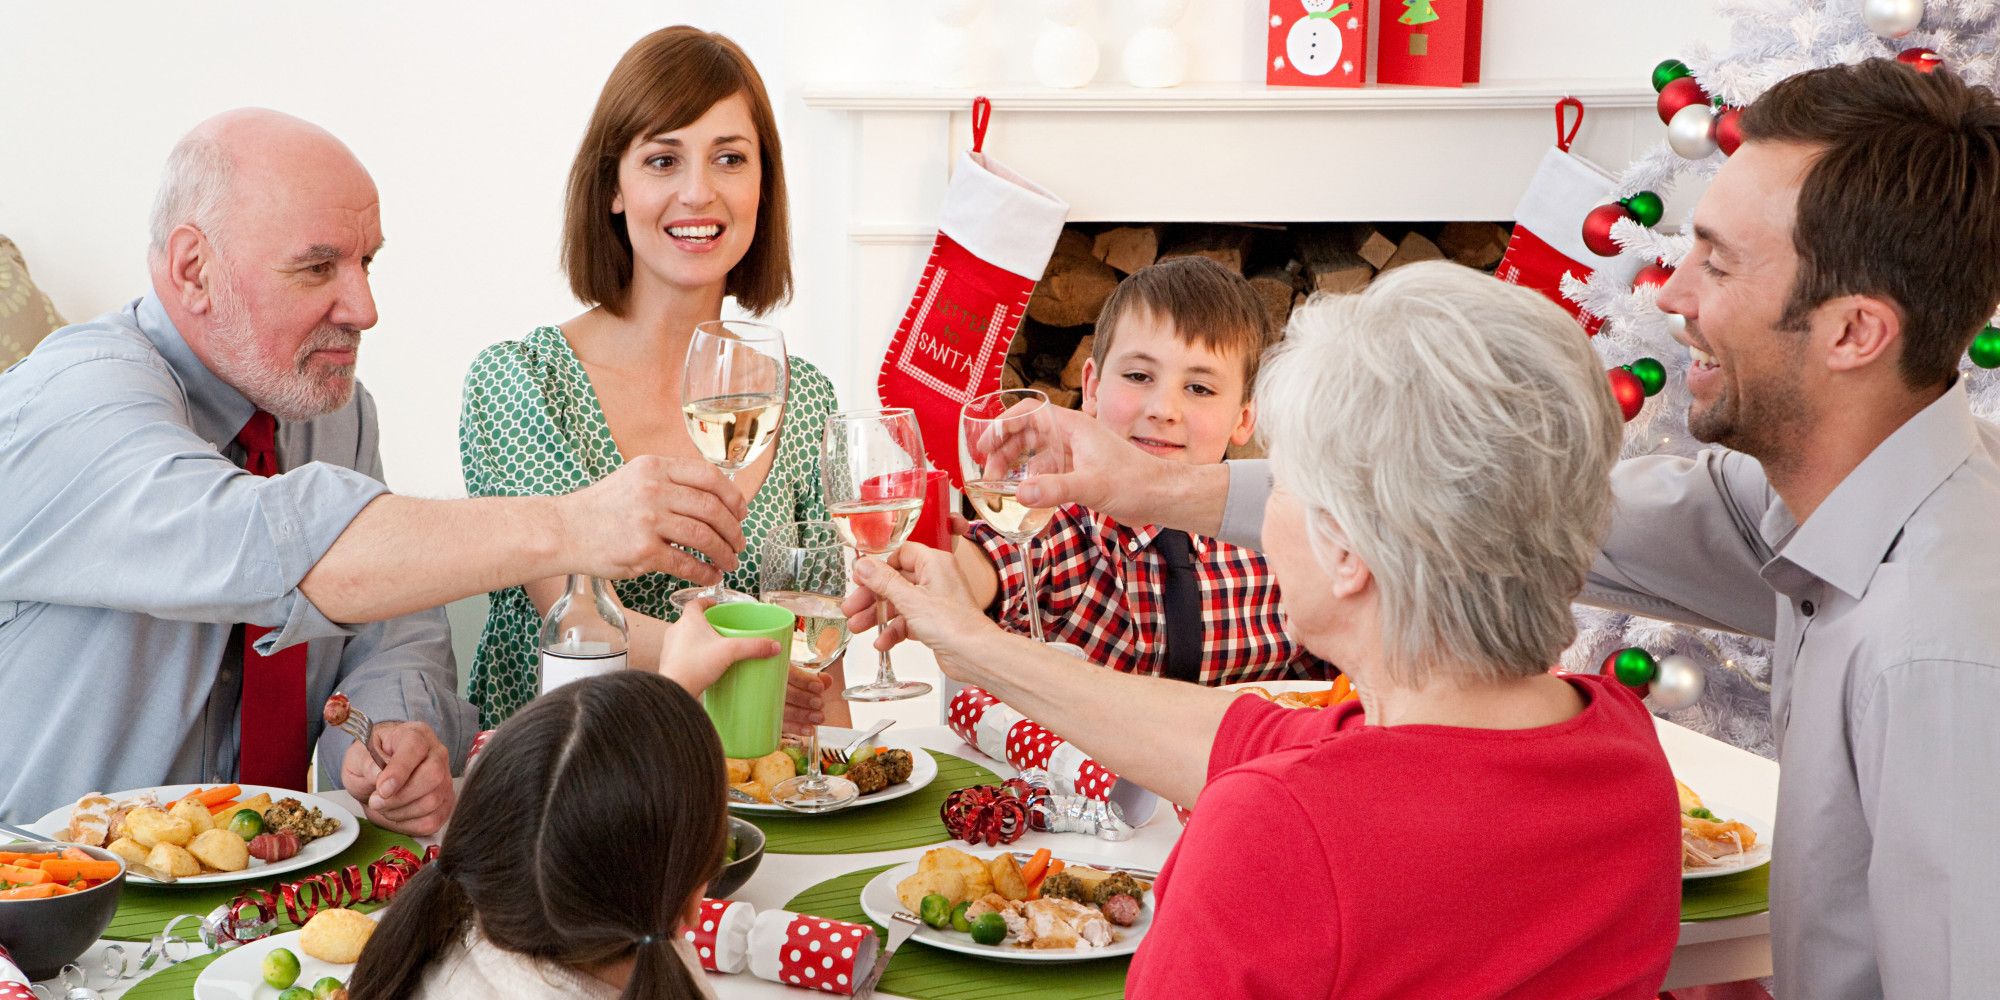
x=580, y=845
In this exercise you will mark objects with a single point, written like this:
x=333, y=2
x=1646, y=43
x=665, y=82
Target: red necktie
x=272, y=726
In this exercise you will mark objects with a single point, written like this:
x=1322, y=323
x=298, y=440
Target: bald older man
x=196, y=549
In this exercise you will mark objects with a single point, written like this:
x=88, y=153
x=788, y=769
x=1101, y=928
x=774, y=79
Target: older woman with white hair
x=1476, y=826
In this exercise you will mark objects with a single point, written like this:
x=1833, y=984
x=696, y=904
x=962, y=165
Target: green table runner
x=926, y=973
x=174, y=982
x=1726, y=895
x=143, y=910
x=911, y=821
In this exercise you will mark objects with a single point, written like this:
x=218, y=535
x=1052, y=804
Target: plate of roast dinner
x=204, y=835
x=1016, y=908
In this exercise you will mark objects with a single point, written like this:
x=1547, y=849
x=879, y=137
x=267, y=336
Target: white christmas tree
x=1769, y=41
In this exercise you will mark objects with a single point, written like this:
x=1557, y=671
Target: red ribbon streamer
x=328, y=890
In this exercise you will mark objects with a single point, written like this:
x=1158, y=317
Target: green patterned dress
x=531, y=426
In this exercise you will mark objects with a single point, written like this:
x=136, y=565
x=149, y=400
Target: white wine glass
x=1003, y=438
x=733, y=398
x=802, y=568
x=875, y=473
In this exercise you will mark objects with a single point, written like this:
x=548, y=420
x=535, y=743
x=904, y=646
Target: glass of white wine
x=733, y=397
x=875, y=474
x=1003, y=438
x=802, y=568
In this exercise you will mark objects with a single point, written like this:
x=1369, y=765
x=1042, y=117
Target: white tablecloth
x=1709, y=952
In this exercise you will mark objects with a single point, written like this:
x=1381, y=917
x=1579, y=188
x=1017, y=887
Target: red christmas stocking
x=995, y=235
x=1548, y=223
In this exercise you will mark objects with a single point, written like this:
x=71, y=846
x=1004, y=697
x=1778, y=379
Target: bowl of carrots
x=55, y=900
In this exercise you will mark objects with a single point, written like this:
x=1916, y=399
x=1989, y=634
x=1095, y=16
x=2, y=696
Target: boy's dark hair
x=1210, y=306
x=1901, y=203
x=589, y=821
x=668, y=80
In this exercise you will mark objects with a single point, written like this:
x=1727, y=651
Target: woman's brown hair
x=668, y=80
x=592, y=818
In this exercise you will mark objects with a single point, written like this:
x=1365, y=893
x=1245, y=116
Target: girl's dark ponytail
x=659, y=974
x=430, y=913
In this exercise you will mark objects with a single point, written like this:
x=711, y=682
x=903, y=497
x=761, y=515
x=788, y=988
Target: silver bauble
x=1677, y=685
x=1692, y=131
x=1892, y=18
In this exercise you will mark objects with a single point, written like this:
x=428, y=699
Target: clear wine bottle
x=583, y=634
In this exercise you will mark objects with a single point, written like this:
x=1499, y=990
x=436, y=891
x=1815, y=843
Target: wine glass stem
x=814, y=779
x=885, y=672
x=714, y=591
x=1031, y=600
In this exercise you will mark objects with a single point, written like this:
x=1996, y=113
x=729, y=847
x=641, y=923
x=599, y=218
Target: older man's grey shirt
x=1884, y=611
x=131, y=544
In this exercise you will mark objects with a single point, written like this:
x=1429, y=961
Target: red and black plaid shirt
x=1102, y=587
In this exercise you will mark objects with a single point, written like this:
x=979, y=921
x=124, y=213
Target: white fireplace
x=1227, y=152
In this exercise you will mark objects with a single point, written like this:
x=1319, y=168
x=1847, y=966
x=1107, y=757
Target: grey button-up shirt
x=1884, y=611
x=131, y=543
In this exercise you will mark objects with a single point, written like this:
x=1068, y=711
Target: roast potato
x=151, y=827
x=1007, y=880
x=196, y=815
x=221, y=850
x=772, y=768
x=336, y=935
x=739, y=770
x=174, y=860
x=129, y=849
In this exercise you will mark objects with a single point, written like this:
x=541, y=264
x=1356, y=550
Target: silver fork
x=830, y=756
x=362, y=728
x=902, y=924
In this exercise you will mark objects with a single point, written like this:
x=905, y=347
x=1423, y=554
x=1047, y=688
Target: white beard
x=303, y=391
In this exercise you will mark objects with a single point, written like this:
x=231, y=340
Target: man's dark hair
x=1901, y=203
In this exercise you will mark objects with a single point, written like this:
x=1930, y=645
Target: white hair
x=1457, y=434
x=194, y=190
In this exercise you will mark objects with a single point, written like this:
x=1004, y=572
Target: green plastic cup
x=747, y=704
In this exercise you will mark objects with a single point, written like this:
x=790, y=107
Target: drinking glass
x=733, y=398
x=1003, y=438
x=875, y=473
x=802, y=569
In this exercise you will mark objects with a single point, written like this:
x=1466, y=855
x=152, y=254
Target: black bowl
x=44, y=935
x=749, y=854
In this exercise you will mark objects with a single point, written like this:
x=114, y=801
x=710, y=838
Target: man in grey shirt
x=132, y=544
x=1844, y=258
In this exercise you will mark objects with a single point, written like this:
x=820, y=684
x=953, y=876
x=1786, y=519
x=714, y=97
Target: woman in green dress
x=676, y=200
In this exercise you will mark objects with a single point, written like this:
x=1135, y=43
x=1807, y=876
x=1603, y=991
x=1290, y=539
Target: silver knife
x=902, y=924
x=131, y=867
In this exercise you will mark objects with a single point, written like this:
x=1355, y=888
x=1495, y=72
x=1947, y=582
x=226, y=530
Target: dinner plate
x=1282, y=687
x=878, y=900
x=923, y=771
x=1752, y=858
x=321, y=850
x=239, y=973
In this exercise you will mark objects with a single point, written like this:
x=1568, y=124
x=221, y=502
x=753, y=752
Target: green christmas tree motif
x=1417, y=12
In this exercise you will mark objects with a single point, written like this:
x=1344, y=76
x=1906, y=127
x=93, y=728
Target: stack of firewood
x=1284, y=263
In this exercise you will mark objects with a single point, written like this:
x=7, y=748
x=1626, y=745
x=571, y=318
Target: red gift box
x=1317, y=43
x=1429, y=43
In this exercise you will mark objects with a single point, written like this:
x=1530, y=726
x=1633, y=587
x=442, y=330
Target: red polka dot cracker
x=1029, y=745
x=13, y=982
x=813, y=953
x=1094, y=781
x=720, y=934
x=966, y=708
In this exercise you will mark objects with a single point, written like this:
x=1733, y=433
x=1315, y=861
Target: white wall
x=468, y=114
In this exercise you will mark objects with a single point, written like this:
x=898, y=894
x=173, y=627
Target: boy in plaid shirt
x=1176, y=352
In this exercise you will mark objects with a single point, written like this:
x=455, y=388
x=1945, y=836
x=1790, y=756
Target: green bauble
x=1646, y=207
x=1667, y=72
x=1985, y=350
x=1652, y=375
x=1634, y=667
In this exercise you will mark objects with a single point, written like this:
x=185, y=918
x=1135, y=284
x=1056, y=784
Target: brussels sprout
x=989, y=929
x=246, y=824
x=798, y=755
x=958, y=921
x=326, y=987
x=296, y=993
x=936, y=911
x=281, y=967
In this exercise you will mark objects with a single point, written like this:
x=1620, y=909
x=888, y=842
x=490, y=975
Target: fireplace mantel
x=1209, y=152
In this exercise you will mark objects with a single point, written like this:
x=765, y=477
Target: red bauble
x=1597, y=228
x=1922, y=60
x=1630, y=392
x=1729, y=131
x=1679, y=94
x=1652, y=275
